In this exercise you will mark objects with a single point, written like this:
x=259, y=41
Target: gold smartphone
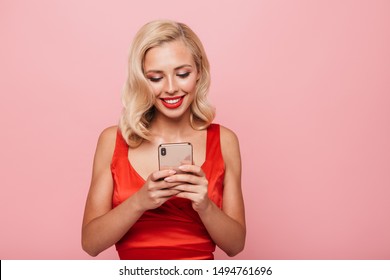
x=172, y=155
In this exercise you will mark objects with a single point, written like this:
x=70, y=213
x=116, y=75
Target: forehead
x=168, y=55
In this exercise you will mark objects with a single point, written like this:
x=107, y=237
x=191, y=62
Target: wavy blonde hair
x=137, y=97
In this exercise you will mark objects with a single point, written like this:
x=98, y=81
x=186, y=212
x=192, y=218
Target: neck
x=170, y=130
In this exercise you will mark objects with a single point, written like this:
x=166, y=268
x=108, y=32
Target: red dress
x=173, y=230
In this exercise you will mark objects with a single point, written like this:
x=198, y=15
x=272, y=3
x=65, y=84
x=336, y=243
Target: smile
x=172, y=102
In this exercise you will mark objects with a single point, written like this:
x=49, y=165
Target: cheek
x=156, y=88
x=188, y=85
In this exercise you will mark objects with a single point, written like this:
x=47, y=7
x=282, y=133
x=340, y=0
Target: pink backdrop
x=305, y=85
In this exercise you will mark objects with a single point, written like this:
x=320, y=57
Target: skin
x=171, y=72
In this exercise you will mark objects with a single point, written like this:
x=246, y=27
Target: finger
x=194, y=169
x=187, y=188
x=161, y=185
x=187, y=178
x=161, y=174
x=168, y=193
x=185, y=195
x=162, y=195
x=170, y=185
x=182, y=178
x=188, y=195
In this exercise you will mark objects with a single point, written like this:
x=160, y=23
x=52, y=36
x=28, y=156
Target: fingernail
x=167, y=179
x=172, y=172
x=182, y=167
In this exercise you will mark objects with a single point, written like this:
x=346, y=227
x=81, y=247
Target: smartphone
x=172, y=155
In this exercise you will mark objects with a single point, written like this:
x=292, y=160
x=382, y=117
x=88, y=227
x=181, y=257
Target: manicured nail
x=167, y=179
x=172, y=172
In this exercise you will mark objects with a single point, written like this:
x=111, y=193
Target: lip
x=167, y=102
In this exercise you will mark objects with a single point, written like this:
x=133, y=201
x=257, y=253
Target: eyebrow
x=176, y=68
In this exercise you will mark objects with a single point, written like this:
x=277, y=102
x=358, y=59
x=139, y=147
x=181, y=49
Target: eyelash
x=155, y=80
x=182, y=76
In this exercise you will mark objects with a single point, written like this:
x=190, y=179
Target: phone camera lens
x=163, y=151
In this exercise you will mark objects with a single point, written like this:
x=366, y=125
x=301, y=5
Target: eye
x=154, y=79
x=183, y=75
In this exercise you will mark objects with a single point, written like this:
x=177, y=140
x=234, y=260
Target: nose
x=170, y=85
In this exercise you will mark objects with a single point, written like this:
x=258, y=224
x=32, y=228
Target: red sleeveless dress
x=174, y=230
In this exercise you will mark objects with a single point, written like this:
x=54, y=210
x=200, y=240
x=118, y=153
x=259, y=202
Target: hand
x=155, y=191
x=192, y=185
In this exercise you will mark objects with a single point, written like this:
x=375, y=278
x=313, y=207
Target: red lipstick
x=172, y=102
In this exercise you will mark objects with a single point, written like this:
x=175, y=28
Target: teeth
x=172, y=101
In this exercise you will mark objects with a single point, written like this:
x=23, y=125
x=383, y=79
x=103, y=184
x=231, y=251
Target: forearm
x=104, y=231
x=227, y=233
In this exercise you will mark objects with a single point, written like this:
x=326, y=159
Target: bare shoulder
x=106, y=143
x=108, y=134
x=228, y=137
x=229, y=144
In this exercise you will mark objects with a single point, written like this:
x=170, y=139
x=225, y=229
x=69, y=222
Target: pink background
x=305, y=85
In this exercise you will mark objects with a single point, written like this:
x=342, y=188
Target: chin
x=174, y=115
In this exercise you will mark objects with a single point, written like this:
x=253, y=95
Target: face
x=172, y=75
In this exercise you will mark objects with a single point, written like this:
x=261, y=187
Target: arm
x=103, y=226
x=231, y=219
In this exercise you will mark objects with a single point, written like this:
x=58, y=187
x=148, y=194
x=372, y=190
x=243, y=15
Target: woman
x=163, y=214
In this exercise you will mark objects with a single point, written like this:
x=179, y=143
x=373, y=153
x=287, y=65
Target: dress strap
x=121, y=147
x=213, y=142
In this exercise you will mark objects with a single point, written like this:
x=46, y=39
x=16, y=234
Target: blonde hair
x=137, y=98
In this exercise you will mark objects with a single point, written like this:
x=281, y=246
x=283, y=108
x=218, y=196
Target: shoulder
x=229, y=144
x=106, y=142
x=228, y=137
x=108, y=134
